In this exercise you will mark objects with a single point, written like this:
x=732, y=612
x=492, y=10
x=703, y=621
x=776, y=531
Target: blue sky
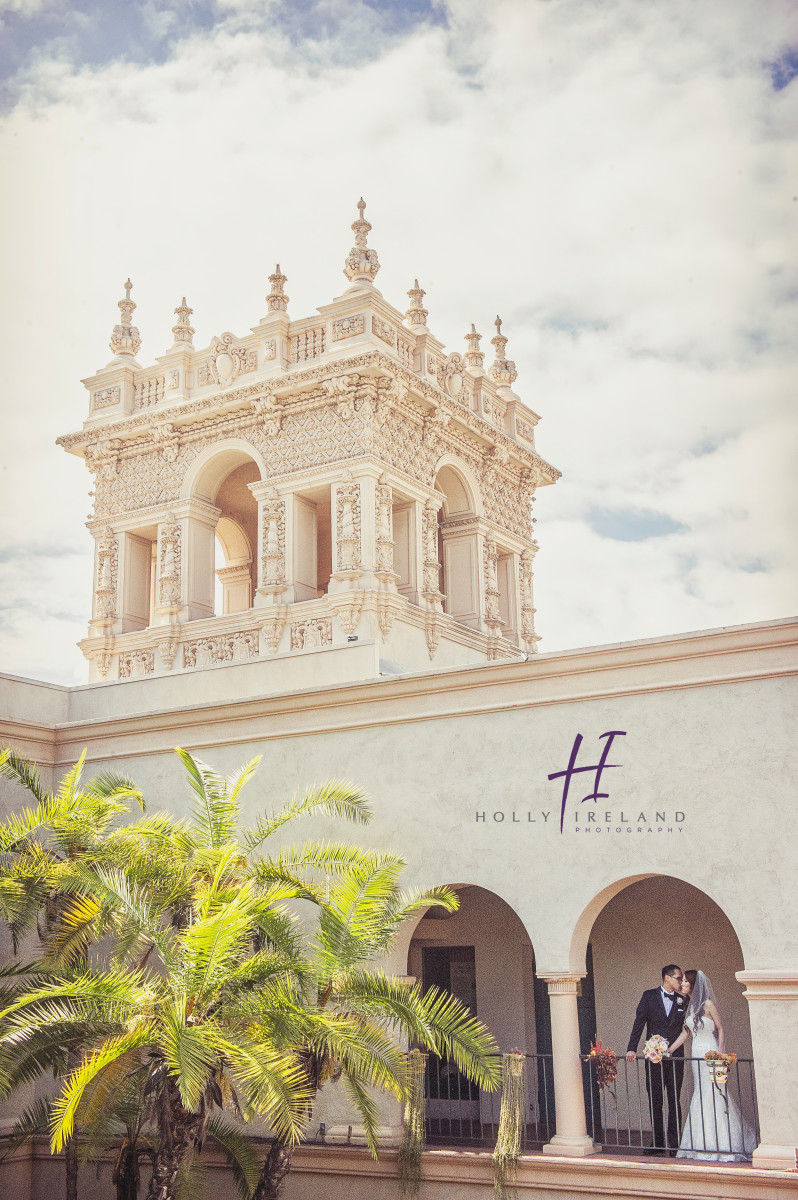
x=616, y=179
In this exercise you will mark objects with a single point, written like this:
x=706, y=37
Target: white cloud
x=614, y=179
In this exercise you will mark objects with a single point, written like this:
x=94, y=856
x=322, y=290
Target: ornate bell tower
x=312, y=482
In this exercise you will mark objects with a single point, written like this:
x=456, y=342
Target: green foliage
x=209, y=995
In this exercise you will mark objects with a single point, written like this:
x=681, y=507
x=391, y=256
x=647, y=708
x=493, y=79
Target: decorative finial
x=182, y=330
x=474, y=357
x=277, y=299
x=125, y=338
x=503, y=370
x=416, y=313
x=362, y=263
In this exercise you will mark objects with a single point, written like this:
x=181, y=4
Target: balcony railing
x=713, y=1119
x=722, y=1120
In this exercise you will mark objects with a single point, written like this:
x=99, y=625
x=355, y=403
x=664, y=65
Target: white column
x=773, y=998
x=197, y=521
x=571, y=1138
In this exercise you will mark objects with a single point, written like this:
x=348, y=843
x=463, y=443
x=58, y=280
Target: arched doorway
x=458, y=545
x=223, y=529
x=484, y=956
x=642, y=925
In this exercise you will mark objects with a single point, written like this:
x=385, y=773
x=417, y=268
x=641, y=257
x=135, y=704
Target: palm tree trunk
x=71, y=1160
x=126, y=1172
x=178, y=1131
x=275, y=1169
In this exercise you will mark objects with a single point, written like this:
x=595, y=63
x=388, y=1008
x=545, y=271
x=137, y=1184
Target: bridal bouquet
x=605, y=1064
x=655, y=1048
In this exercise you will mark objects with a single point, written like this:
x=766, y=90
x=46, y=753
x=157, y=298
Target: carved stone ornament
x=277, y=300
x=348, y=608
x=167, y=651
x=527, y=607
x=503, y=370
x=431, y=566
x=497, y=456
x=226, y=362
x=107, y=574
x=385, y=545
x=362, y=263
x=166, y=438
x=149, y=391
x=169, y=562
x=172, y=380
x=272, y=629
x=490, y=566
x=385, y=616
x=347, y=525
x=433, y=627
x=270, y=411
x=183, y=331
x=224, y=648
x=102, y=459
x=125, y=339
x=347, y=327
x=135, y=664
x=435, y=422
x=273, y=541
x=416, y=314
x=306, y=345
x=450, y=376
x=383, y=330
x=269, y=350
x=105, y=398
x=474, y=358
x=312, y=634
x=102, y=661
x=525, y=431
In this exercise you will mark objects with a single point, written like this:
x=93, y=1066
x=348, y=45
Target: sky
x=617, y=179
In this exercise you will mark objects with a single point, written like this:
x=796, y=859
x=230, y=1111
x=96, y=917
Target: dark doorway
x=452, y=1100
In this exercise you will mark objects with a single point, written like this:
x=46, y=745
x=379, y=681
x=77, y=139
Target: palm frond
x=34, y=1121
x=241, y=1157
x=15, y=766
x=337, y=798
x=65, y=1105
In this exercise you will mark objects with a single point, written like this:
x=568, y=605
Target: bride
x=714, y=1130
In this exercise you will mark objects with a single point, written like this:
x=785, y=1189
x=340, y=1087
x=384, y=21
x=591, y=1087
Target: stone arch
x=213, y=464
x=641, y=922
x=463, y=483
x=484, y=955
x=459, y=544
x=224, y=540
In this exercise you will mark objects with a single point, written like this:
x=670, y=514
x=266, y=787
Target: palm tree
x=215, y=997
x=346, y=1018
x=177, y=1022
x=36, y=845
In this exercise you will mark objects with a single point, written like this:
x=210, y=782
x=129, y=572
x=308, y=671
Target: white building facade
x=315, y=542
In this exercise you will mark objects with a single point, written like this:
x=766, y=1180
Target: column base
x=571, y=1147
x=775, y=1158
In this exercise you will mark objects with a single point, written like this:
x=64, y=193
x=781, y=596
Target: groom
x=662, y=1010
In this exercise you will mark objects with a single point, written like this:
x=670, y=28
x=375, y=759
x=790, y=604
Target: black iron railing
x=457, y=1111
x=712, y=1119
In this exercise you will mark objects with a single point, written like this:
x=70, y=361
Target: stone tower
x=311, y=484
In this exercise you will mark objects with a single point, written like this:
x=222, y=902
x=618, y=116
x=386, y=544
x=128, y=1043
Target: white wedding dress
x=714, y=1130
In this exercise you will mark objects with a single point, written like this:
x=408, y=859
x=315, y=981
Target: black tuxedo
x=668, y=1074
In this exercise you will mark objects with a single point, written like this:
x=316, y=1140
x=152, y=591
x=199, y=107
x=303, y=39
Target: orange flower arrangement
x=605, y=1064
